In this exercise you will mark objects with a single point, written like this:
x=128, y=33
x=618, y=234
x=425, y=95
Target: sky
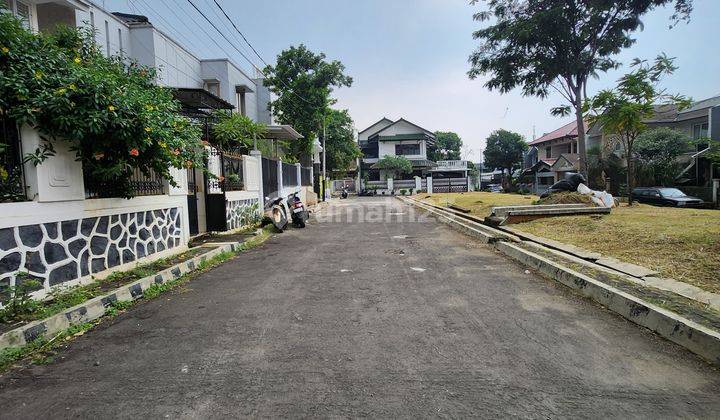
x=408, y=58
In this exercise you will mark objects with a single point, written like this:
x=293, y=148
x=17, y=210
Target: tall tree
x=303, y=82
x=395, y=166
x=342, y=150
x=447, y=146
x=504, y=149
x=657, y=151
x=539, y=45
x=622, y=111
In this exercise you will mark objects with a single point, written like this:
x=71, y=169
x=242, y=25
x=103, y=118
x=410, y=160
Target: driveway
x=379, y=316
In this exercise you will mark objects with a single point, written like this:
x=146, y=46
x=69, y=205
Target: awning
x=282, y=132
x=194, y=99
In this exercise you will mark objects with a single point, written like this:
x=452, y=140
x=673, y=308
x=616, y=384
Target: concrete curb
x=485, y=233
x=695, y=337
x=97, y=306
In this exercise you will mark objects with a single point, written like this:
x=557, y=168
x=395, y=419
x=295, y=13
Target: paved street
x=399, y=319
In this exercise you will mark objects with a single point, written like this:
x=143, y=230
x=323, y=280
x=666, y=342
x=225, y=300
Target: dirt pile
x=566, y=198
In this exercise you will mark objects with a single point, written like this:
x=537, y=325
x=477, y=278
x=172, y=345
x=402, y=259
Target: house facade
x=395, y=138
x=68, y=232
x=554, y=154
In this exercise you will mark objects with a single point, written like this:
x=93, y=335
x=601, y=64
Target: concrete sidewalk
x=398, y=319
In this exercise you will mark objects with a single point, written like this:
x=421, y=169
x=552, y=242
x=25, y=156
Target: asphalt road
x=380, y=317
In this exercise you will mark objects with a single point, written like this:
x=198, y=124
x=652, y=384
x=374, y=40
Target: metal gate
x=448, y=185
x=270, y=177
x=192, y=201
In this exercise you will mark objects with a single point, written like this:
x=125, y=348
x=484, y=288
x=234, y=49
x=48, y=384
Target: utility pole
x=324, y=163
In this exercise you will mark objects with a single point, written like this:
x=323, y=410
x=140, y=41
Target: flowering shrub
x=112, y=113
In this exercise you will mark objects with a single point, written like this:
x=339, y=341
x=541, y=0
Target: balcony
x=451, y=165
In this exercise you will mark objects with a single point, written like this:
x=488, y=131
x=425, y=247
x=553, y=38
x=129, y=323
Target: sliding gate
x=448, y=185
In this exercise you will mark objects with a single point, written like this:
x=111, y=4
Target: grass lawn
x=478, y=202
x=683, y=244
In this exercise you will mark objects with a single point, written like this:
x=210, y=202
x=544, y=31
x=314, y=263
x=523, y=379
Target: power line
x=202, y=29
x=169, y=25
x=225, y=25
x=240, y=32
x=258, y=54
x=222, y=34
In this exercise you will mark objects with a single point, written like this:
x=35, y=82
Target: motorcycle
x=299, y=213
x=344, y=193
x=276, y=212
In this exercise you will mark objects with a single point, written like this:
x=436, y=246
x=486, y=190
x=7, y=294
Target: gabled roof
x=428, y=132
x=383, y=119
x=566, y=159
x=567, y=130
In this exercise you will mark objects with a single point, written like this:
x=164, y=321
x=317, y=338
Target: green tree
x=657, y=151
x=447, y=146
x=234, y=132
x=538, y=45
x=303, y=82
x=394, y=165
x=504, y=149
x=622, y=111
x=342, y=150
x=114, y=116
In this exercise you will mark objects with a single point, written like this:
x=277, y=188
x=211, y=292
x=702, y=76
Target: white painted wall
x=230, y=76
x=387, y=148
x=373, y=129
x=401, y=127
x=108, y=40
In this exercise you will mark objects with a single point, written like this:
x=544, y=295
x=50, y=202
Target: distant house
x=700, y=121
x=550, y=157
x=395, y=138
x=554, y=154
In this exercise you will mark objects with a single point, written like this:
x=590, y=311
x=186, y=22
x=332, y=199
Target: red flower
x=134, y=152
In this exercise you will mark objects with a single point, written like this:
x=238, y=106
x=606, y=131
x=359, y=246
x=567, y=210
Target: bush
x=19, y=304
x=113, y=114
x=403, y=191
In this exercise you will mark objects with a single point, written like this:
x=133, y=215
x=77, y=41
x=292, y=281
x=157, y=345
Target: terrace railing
x=141, y=184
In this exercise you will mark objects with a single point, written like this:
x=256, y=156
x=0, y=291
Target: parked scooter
x=276, y=211
x=298, y=212
x=344, y=193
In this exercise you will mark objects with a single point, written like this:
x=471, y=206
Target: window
x=548, y=152
x=213, y=87
x=241, y=103
x=407, y=149
x=107, y=38
x=569, y=147
x=22, y=10
x=120, y=44
x=574, y=147
x=700, y=131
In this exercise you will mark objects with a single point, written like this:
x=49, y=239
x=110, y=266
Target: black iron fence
x=141, y=184
x=305, y=177
x=289, y=175
x=233, y=173
x=12, y=180
x=270, y=177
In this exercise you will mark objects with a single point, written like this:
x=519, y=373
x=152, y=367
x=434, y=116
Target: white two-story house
x=395, y=138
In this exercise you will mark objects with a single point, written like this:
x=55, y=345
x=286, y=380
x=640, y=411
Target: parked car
x=494, y=188
x=662, y=196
